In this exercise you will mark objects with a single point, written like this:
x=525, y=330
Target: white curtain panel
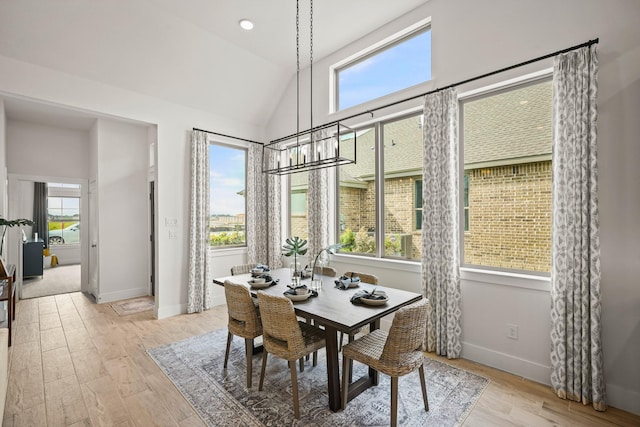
x=257, y=210
x=440, y=233
x=318, y=210
x=274, y=221
x=263, y=211
x=576, y=344
x=199, y=288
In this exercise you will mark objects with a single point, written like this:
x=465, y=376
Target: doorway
x=59, y=257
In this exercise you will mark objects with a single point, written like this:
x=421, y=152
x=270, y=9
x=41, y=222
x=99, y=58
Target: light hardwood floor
x=76, y=363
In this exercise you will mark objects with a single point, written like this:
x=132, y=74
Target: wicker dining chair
x=244, y=321
x=286, y=337
x=394, y=353
x=242, y=269
x=326, y=271
x=366, y=278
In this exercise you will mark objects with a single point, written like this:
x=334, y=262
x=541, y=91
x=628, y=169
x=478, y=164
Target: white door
x=93, y=241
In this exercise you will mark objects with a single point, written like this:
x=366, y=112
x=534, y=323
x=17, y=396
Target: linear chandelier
x=325, y=146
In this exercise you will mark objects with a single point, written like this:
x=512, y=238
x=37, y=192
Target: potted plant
x=295, y=246
x=9, y=223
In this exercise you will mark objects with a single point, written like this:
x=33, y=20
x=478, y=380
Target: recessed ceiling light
x=246, y=24
x=523, y=102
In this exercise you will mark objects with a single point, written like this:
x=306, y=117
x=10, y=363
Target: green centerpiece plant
x=295, y=246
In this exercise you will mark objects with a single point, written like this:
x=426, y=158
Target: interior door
x=93, y=242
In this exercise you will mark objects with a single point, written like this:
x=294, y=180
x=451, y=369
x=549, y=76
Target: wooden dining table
x=332, y=309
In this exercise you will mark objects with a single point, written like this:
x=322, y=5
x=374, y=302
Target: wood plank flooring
x=76, y=363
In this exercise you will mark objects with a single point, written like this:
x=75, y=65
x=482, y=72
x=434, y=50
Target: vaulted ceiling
x=189, y=52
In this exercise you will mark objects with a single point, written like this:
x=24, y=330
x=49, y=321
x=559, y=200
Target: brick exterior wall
x=510, y=217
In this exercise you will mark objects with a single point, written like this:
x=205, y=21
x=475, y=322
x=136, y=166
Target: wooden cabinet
x=32, y=258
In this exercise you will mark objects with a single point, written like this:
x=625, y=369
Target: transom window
x=402, y=61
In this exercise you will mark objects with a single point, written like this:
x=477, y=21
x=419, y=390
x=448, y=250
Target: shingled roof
x=505, y=128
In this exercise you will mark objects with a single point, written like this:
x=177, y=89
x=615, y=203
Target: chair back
x=364, y=277
x=243, y=315
x=242, y=269
x=326, y=271
x=281, y=333
x=407, y=333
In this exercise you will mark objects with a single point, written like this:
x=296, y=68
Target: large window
x=395, y=65
x=357, y=197
x=63, y=213
x=397, y=146
x=507, y=138
x=227, y=222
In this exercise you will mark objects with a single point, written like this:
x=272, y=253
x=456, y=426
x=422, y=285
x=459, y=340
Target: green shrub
x=227, y=239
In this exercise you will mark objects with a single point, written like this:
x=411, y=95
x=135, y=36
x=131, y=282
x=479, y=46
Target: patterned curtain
x=318, y=207
x=318, y=210
x=440, y=238
x=576, y=345
x=199, y=288
x=263, y=212
x=257, y=210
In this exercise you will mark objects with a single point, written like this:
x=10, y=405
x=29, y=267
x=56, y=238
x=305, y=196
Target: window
x=228, y=180
x=417, y=197
x=507, y=138
x=402, y=159
x=63, y=219
x=298, y=205
x=395, y=234
x=396, y=64
x=357, y=197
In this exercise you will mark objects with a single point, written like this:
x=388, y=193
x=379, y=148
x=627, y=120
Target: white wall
x=3, y=162
x=123, y=202
x=41, y=150
x=471, y=38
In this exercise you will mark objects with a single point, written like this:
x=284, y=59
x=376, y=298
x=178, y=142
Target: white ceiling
x=186, y=51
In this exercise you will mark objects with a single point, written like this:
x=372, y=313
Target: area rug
x=220, y=397
x=133, y=306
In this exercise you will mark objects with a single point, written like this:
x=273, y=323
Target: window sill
x=239, y=250
x=503, y=278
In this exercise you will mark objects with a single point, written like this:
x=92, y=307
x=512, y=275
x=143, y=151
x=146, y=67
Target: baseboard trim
x=508, y=363
x=623, y=398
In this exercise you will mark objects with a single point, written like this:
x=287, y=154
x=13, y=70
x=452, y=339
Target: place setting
x=262, y=281
x=299, y=293
x=375, y=297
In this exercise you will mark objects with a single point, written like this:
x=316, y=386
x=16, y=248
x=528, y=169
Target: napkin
x=267, y=278
x=344, y=282
x=355, y=299
x=263, y=267
x=292, y=290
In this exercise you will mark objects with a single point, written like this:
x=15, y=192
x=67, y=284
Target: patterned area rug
x=222, y=399
x=133, y=306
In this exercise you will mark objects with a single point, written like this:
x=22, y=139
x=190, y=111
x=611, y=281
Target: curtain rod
x=228, y=136
x=501, y=70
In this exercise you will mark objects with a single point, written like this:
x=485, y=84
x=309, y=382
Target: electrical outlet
x=512, y=331
x=173, y=235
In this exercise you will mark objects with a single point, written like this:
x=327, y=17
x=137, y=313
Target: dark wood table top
x=333, y=306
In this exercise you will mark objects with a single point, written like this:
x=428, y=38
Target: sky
x=390, y=70
x=227, y=178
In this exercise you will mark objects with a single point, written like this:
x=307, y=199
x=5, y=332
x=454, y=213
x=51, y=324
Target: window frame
x=421, y=26
x=213, y=141
x=377, y=125
x=486, y=91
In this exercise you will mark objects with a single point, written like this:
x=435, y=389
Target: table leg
x=333, y=370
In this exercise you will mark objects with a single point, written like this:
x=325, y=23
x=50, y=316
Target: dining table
x=333, y=310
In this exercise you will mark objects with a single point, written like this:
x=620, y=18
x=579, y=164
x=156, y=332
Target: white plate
x=262, y=285
x=374, y=302
x=298, y=297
